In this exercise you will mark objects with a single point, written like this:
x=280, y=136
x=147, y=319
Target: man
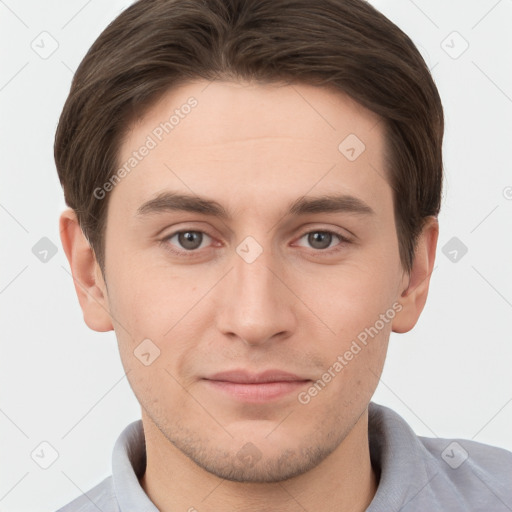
x=254, y=189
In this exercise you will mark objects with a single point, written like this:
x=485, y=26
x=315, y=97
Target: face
x=253, y=316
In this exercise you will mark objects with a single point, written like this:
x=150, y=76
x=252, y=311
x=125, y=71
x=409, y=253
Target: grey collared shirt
x=416, y=474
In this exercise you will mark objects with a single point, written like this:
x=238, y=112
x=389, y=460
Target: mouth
x=266, y=386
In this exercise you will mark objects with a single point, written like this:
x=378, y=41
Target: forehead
x=232, y=141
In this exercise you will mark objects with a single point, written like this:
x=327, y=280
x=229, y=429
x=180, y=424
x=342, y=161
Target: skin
x=254, y=149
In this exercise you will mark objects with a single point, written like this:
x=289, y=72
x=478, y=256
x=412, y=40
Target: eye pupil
x=320, y=237
x=189, y=239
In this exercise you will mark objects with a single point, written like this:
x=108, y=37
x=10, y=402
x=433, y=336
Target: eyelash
x=191, y=253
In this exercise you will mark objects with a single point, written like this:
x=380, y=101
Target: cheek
x=347, y=298
x=352, y=368
x=355, y=306
x=157, y=321
x=150, y=347
x=144, y=299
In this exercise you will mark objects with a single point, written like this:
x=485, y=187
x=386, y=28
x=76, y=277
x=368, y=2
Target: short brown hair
x=346, y=44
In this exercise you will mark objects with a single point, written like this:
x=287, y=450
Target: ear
x=87, y=277
x=415, y=284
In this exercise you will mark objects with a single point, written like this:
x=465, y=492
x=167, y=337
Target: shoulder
x=100, y=497
x=479, y=472
x=423, y=473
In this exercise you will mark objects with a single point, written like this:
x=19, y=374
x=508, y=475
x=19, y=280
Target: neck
x=344, y=481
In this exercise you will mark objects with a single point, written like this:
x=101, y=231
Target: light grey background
x=64, y=384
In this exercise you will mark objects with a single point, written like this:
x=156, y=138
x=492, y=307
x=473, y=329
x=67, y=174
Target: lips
x=256, y=387
x=245, y=377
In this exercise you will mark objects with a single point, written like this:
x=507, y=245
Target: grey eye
x=190, y=240
x=320, y=239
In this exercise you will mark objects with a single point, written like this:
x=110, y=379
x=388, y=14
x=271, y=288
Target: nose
x=256, y=306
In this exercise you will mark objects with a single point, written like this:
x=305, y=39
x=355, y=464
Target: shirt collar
x=128, y=465
x=398, y=456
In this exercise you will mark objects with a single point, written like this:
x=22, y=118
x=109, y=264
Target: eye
x=322, y=239
x=188, y=240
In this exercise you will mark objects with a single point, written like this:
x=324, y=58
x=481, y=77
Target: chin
x=250, y=464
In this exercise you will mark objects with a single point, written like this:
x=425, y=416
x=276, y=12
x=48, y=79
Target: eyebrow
x=173, y=201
